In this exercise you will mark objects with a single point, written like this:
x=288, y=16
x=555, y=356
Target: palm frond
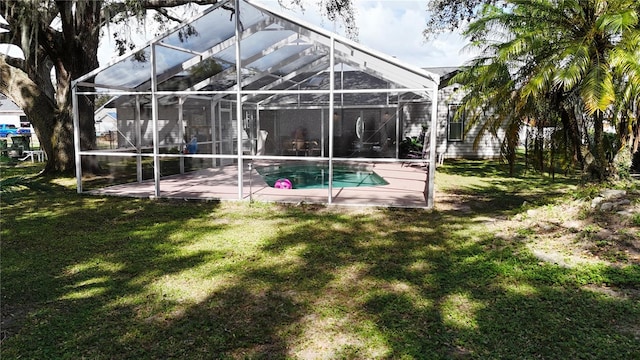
x=597, y=90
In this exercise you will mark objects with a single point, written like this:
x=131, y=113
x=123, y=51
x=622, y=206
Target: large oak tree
x=452, y=15
x=64, y=36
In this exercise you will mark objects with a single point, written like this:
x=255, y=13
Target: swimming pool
x=317, y=176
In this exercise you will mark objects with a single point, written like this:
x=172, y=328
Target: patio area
x=407, y=186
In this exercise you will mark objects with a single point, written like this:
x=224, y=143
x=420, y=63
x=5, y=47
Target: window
x=455, y=124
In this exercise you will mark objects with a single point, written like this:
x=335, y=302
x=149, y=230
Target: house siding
x=488, y=146
x=414, y=117
x=10, y=113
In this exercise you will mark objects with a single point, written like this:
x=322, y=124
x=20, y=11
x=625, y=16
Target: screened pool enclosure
x=211, y=107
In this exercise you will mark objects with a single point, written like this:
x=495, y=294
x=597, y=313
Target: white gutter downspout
x=214, y=134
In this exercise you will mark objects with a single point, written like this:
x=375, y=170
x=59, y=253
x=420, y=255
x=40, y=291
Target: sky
x=393, y=27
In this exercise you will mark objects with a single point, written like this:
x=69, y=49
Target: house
x=262, y=87
x=10, y=113
x=455, y=139
x=106, y=121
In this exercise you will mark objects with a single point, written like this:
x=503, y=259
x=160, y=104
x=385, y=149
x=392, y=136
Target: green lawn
x=114, y=278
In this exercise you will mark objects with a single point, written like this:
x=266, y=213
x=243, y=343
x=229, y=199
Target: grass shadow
x=115, y=278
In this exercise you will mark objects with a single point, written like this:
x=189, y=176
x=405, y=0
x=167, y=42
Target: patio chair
x=415, y=155
x=192, y=146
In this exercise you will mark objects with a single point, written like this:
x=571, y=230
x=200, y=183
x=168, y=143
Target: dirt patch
x=566, y=234
x=580, y=234
x=11, y=321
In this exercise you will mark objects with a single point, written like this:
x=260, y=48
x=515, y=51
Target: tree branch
x=112, y=10
x=450, y=15
x=16, y=84
x=166, y=14
x=12, y=61
x=155, y=4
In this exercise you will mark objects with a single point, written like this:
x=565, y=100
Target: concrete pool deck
x=407, y=187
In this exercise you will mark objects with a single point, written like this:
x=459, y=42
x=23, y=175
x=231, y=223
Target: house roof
x=277, y=53
x=445, y=73
x=443, y=70
x=8, y=106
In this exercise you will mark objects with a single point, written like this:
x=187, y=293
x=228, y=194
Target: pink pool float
x=283, y=184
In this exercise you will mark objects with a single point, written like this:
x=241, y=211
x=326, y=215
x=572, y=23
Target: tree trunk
x=599, y=166
x=52, y=123
x=39, y=108
x=63, y=137
x=571, y=128
x=79, y=55
x=71, y=52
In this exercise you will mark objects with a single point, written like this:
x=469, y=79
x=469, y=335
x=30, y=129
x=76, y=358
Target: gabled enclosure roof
x=277, y=53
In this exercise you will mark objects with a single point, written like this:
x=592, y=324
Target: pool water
x=317, y=176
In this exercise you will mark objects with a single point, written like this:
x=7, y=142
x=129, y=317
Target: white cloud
x=396, y=27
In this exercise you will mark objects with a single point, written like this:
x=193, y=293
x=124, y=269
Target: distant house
x=106, y=121
x=10, y=113
x=454, y=140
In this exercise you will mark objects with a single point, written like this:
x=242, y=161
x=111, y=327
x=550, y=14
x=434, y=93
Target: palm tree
x=565, y=55
x=626, y=110
x=490, y=103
